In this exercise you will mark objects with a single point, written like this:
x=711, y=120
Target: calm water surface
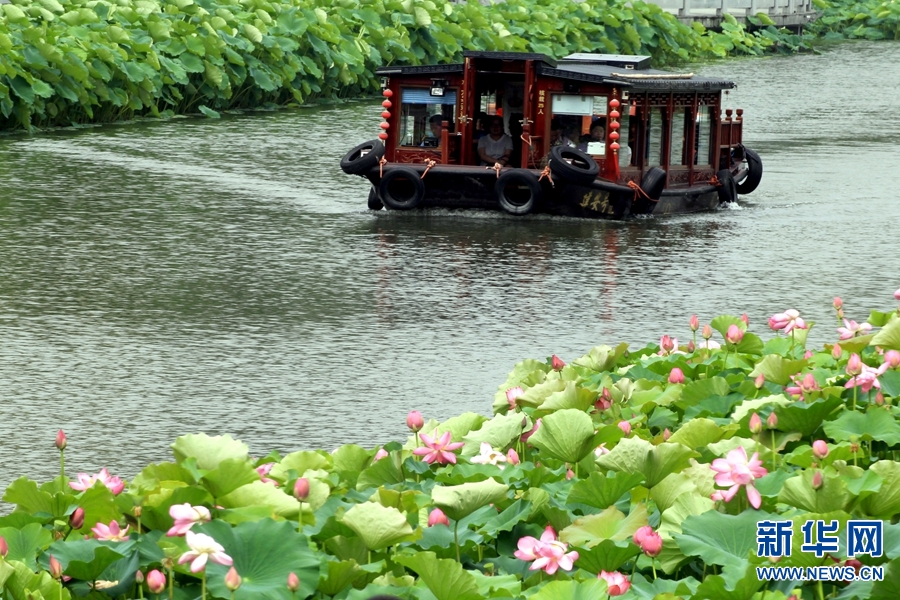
x=158, y=279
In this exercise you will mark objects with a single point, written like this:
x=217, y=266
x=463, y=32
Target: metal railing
x=785, y=13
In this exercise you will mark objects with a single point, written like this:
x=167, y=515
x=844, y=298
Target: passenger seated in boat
x=496, y=147
x=433, y=139
x=481, y=125
x=558, y=135
x=597, y=134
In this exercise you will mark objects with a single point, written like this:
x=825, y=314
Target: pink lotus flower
x=650, y=542
x=414, y=421
x=186, y=516
x=557, y=363
x=690, y=346
x=759, y=381
x=111, y=532
x=569, y=474
x=868, y=378
x=55, y=569
x=756, y=425
x=232, y=579
x=772, y=421
x=745, y=319
x=202, y=549
x=601, y=450
x=625, y=426
x=532, y=431
x=85, y=481
x=854, y=365
x=837, y=352
x=439, y=451
x=61, y=441
x=512, y=456
x=820, y=449
x=76, y=519
x=892, y=359
x=851, y=329
x=488, y=456
x=808, y=354
x=547, y=553
x=707, y=332
x=736, y=470
x=301, y=489
x=156, y=581
x=437, y=517
x=805, y=386
x=666, y=435
x=676, y=375
x=512, y=394
x=263, y=470
x=382, y=453
x=787, y=321
x=293, y=582
x=604, y=401
x=616, y=583
x=667, y=345
x=817, y=481
x=838, y=303
x=4, y=547
x=695, y=323
x=734, y=335
x=897, y=294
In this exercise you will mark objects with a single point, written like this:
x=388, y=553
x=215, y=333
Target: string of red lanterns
x=385, y=114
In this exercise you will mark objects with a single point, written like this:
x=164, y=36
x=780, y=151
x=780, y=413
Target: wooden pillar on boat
x=466, y=116
x=667, y=135
x=445, y=142
x=692, y=137
x=527, y=115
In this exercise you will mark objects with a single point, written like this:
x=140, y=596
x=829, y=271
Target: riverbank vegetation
x=641, y=473
x=851, y=19
x=70, y=62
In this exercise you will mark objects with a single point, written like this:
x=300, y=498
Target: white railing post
x=685, y=10
x=754, y=8
x=721, y=8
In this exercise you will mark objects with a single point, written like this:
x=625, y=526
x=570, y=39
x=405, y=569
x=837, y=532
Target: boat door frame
x=466, y=113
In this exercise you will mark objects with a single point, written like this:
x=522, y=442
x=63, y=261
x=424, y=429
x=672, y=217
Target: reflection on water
x=224, y=276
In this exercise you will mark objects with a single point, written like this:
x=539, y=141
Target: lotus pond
x=632, y=473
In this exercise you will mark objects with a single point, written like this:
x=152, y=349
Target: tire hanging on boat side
x=362, y=158
x=517, y=191
x=573, y=165
x=652, y=183
x=401, y=188
x=728, y=190
x=374, y=201
x=755, y=167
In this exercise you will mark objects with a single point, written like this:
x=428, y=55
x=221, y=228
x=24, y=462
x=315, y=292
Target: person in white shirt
x=496, y=147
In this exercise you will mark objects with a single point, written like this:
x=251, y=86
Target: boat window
x=681, y=124
x=578, y=116
x=417, y=108
x=703, y=135
x=628, y=126
x=654, y=147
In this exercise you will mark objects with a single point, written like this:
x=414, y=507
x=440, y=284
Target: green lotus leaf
x=697, y=433
x=777, y=369
x=25, y=543
x=300, y=462
x=601, y=358
x=231, y=474
x=29, y=498
x=668, y=589
x=526, y=374
x=459, y=501
x=122, y=571
x=673, y=486
x=857, y=344
x=499, y=432
x=607, y=556
x=493, y=586
x=386, y=471
x=750, y=406
x=87, y=559
x=806, y=417
x=99, y=506
x=886, y=503
x=339, y=576
x=209, y=451
x=379, y=526
x=799, y=493
x=565, y=435
x=798, y=557
x=536, y=395
x=570, y=397
x=572, y=590
x=262, y=494
x=670, y=524
x=694, y=392
x=350, y=457
x=876, y=424
x=150, y=477
x=377, y=590
x=611, y=524
x=445, y=577
x=723, y=322
x=658, y=396
x=737, y=583
x=515, y=513
x=246, y=513
x=156, y=506
x=722, y=540
x=890, y=383
x=602, y=491
x=888, y=337
x=769, y=486
x=23, y=583
x=634, y=455
x=458, y=427
x=264, y=554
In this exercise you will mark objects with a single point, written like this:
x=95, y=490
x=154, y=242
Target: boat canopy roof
x=625, y=71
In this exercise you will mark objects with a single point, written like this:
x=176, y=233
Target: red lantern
x=614, y=103
x=385, y=115
x=614, y=146
x=386, y=104
x=385, y=126
x=387, y=93
x=614, y=135
x=614, y=125
x=383, y=135
x=614, y=114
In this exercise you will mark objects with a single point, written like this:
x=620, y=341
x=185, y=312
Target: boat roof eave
x=420, y=69
x=606, y=75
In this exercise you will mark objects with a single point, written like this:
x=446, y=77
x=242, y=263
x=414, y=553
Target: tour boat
x=591, y=135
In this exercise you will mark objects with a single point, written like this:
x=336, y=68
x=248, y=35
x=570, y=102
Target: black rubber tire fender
x=401, y=188
x=755, y=166
x=520, y=178
x=582, y=170
x=653, y=182
x=362, y=158
x=374, y=202
x=728, y=190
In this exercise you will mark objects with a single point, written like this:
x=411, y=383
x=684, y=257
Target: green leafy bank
x=850, y=19
x=65, y=62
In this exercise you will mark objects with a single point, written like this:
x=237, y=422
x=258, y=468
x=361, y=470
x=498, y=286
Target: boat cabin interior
x=617, y=109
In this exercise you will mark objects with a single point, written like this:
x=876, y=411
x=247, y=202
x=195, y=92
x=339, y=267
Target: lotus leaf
x=446, y=578
x=565, y=435
x=378, y=526
x=572, y=590
x=499, y=432
x=722, y=540
x=24, y=544
x=611, y=524
x=460, y=501
x=209, y=451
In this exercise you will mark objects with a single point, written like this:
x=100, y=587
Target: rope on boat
x=548, y=174
x=428, y=165
x=638, y=192
x=715, y=181
x=497, y=166
x=525, y=139
x=381, y=163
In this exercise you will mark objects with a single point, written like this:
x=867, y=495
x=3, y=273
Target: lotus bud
x=666, y=434
x=531, y=432
x=76, y=519
x=652, y=544
x=856, y=564
x=809, y=383
x=301, y=489
x=691, y=346
x=756, y=425
x=139, y=577
x=879, y=399
x=838, y=303
x=807, y=355
x=625, y=426
x=759, y=381
x=511, y=395
x=624, y=385
x=382, y=453
x=55, y=568
x=695, y=323
x=61, y=440
x=666, y=344
x=569, y=474
x=156, y=581
x=817, y=480
x=707, y=332
x=414, y=421
x=892, y=359
x=734, y=335
x=602, y=402
x=512, y=457
x=557, y=363
x=676, y=375
x=854, y=447
x=897, y=294
x=437, y=517
x=854, y=365
x=837, y=352
x=641, y=533
x=772, y=421
x=293, y=582
x=840, y=313
x=820, y=449
x=138, y=511
x=232, y=579
x=4, y=547
x=745, y=319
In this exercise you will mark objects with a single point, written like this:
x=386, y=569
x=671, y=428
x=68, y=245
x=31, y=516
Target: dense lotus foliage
x=65, y=62
x=853, y=19
x=632, y=473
